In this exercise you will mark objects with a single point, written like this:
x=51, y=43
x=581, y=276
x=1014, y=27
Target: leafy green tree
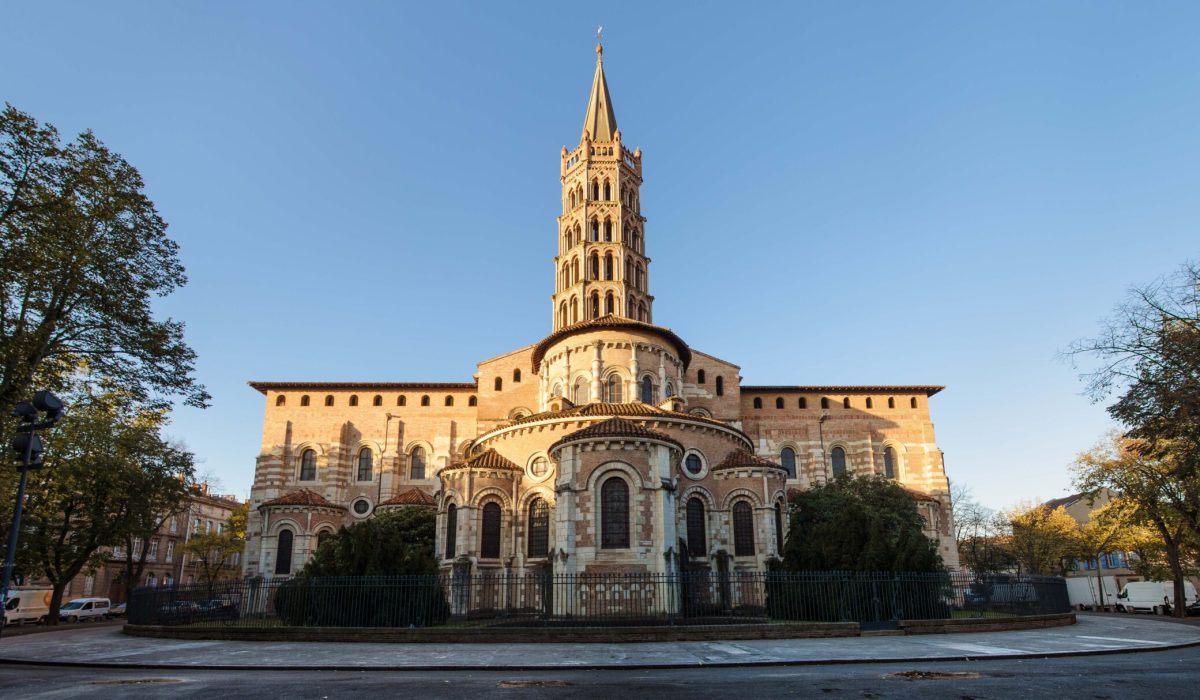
x=83, y=253
x=1149, y=351
x=91, y=492
x=1155, y=488
x=212, y=552
x=397, y=543
x=860, y=523
x=1043, y=541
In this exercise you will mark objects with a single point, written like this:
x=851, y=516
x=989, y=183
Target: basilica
x=608, y=446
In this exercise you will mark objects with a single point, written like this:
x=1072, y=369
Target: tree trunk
x=1179, y=607
x=56, y=594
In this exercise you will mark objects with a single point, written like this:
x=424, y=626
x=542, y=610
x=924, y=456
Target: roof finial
x=599, y=46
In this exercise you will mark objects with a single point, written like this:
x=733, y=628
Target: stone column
x=597, y=367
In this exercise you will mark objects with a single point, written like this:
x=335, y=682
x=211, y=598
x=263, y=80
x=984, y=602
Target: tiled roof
x=745, y=458
x=411, y=497
x=303, y=497
x=598, y=410
x=929, y=390
x=1064, y=501
x=264, y=387
x=615, y=427
x=490, y=459
x=604, y=322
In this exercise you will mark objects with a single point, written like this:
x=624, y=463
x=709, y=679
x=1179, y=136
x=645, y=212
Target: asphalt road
x=1160, y=674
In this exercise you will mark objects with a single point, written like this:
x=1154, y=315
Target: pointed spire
x=600, y=124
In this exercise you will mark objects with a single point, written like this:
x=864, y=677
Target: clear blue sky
x=837, y=192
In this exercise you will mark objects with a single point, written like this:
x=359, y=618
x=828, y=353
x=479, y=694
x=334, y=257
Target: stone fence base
x=520, y=635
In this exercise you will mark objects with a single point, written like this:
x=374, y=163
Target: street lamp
x=28, y=444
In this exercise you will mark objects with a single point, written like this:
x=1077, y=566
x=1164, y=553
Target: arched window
x=574, y=309
x=912, y=403
x=595, y=305
x=778, y=528
x=594, y=266
x=595, y=230
x=377, y=401
x=283, y=553
x=787, y=457
x=846, y=402
x=838, y=457
x=489, y=534
x=516, y=375
x=329, y=400
x=308, y=465
x=556, y=390
x=614, y=514
x=365, y=464
x=757, y=403
x=743, y=529
x=607, y=190
x=638, y=272
x=280, y=400
x=609, y=303
x=699, y=376
x=323, y=537
x=451, y=531
x=354, y=399
x=778, y=402
x=449, y=400
x=595, y=189
x=642, y=316
x=824, y=402
x=697, y=535
x=472, y=401
x=870, y=403
x=669, y=391
x=608, y=230
x=562, y=314
x=614, y=389
x=720, y=386
x=425, y=400
x=401, y=400
x=889, y=462
x=580, y=395
x=647, y=390
x=538, y=541
x=571, y=199
x=498, y=384
x=802, y=402
x=608, y=266
x=575, y=270
x=891, y=402
x=416, y=463
x=304, y=400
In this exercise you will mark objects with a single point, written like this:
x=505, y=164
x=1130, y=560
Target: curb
x=601, y=667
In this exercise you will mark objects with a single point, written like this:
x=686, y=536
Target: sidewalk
x=108, y=647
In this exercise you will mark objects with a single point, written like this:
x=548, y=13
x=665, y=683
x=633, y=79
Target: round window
x=693, y=464
x=361, y=506
x=540, y=467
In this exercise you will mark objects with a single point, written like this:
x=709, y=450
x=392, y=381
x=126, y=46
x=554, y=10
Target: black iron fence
x=703, y=597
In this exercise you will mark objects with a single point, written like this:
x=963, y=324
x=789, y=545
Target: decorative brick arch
x=740, y=494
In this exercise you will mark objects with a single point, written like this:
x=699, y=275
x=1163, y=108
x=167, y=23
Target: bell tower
x=601, y=267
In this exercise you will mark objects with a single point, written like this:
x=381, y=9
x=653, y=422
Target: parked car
x=218, y=609
x=117, y=610
x=94, y=609
x=27, y=605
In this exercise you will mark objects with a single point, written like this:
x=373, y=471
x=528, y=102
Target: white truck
x=1153, y=596
x=27, y=605
x=1084, y=592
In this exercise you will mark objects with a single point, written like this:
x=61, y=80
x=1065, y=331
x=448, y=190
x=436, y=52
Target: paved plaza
x=109, y=647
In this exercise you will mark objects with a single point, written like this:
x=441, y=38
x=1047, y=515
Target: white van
x=1084, y=592
x=1153, y=596
x=27, y=605
x=94, y=609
